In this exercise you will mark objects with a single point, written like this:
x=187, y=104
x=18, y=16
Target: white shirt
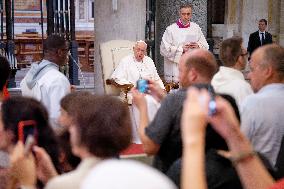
x=129, y=71
x=232, y=82
x=263, y=120
x=49, y=90
x=171, y=46
x=260, y=36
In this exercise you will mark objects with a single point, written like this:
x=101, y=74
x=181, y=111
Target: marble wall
x=281, y=23
x=242, y=16
x=127, y=22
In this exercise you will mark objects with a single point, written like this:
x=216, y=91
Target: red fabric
x=133, y=149
x=180, y=24
x=278, y=185
x=6, y=92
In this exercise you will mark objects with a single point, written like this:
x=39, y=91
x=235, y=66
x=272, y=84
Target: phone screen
x=142, y=85
x=212, y=103
x=26, y=128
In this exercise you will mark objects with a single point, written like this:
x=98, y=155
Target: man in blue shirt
x=262, y=112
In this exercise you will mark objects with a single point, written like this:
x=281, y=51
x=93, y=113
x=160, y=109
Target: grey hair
x=186, y=5
x=274, y=55
x=141, y=41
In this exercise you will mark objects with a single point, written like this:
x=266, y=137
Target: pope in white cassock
x=179, y=38
x=132, y=68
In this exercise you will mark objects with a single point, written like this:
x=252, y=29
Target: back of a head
x=4, y=71
x=71, y=100
x=54, y=42
x=16, y=109
x=230, y=51
x=274, y=55
x=204, y=63
x=103, y=124
x=126, y=174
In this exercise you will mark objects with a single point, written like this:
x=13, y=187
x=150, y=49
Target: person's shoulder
x=194, y=24
x=172, y=26
x=254, y=33
x=267, y=33
x=251, y=101
x=148, y=59
x=62, y=181
x=144, y=175
x=56, y=74
x=176, y=96
x=53, y=76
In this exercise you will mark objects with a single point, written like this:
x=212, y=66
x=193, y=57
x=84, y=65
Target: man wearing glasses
x=179, y=38
x=229, y=79
x=44, y=81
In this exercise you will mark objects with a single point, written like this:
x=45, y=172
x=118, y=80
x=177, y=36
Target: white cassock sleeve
x=120, y=74
x=168, y=49
x=158, y=79
x=202, y=43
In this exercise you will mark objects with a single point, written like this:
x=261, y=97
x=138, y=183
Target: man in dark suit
x=260, y=37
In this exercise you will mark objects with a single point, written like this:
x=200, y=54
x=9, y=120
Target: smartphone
x=142, y=85
x=212, y=103
x=26, y=128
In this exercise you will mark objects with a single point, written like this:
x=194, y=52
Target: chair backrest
x=111, y=53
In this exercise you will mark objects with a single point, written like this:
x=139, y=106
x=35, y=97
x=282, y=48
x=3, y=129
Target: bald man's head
x=202, y=65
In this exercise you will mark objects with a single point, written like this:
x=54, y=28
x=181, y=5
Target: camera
x=142, y=85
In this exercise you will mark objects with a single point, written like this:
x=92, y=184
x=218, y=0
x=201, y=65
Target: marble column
x=117, y=19
x=281, y=24
x=253, y=11
x=167, y=13
x=233, y=18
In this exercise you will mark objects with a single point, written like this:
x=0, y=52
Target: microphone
x=80, y=71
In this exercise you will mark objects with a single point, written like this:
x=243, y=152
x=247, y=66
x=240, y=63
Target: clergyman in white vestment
x=179, y=38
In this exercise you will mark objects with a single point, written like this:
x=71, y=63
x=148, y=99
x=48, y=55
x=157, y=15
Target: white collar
x=261, y=32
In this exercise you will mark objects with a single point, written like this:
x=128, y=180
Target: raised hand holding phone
x=26, y=128
x=142, y=85
x=29, y=144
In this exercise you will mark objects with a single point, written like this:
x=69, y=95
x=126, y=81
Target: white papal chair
x=111, y=53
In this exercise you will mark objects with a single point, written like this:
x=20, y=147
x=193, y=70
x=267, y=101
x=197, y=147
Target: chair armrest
x=125, y=87
x=172, y=85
